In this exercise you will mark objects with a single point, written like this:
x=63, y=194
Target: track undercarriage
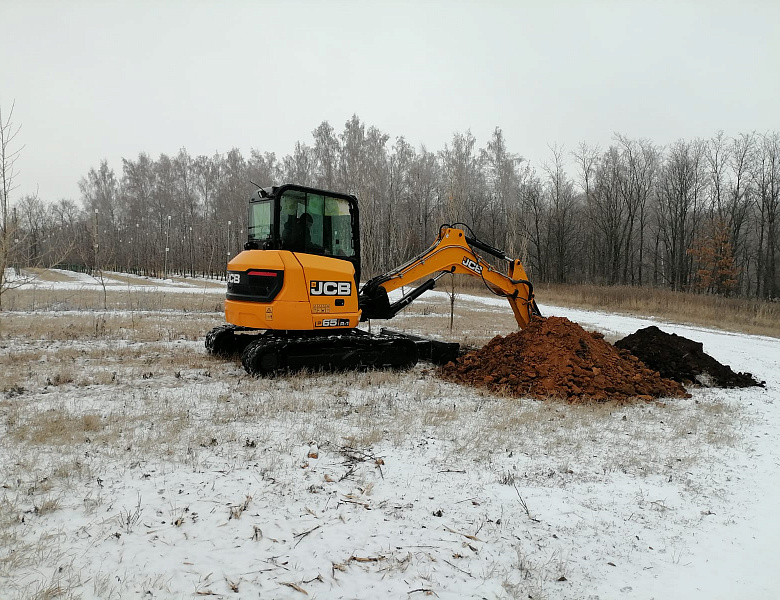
x=270, y=352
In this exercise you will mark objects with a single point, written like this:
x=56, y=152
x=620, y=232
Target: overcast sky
x=95, y=80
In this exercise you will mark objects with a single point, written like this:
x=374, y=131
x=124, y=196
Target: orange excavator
x=294, y=298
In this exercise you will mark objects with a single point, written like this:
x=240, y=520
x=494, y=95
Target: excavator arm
x=452, y=252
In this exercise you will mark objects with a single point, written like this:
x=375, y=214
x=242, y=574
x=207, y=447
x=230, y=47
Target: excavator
x=294, y=298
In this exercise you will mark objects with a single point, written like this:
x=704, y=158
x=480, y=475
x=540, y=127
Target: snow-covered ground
x=137, y=469
x=72, y=280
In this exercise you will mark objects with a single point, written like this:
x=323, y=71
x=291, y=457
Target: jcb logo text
x=471, y=265
x=330, y=288
x=234, y=278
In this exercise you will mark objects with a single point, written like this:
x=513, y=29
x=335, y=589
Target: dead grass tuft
x=58, y=427
x=440, y=415
x=61, y=378
x=46, y=504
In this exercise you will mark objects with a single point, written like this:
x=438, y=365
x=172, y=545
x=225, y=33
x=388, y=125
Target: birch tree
x=503, y=182
x=326, y=157
x=461, y=169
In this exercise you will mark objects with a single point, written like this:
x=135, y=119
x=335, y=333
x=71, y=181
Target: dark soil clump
x=554, y=357
x=681, y=359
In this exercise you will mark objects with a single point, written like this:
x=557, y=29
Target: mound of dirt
x=555, y=357
x=681, y=359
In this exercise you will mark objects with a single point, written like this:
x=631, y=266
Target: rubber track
x=353, y=350
x=222, y=341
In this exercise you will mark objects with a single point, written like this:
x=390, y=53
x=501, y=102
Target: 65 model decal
x=332, y=323
x=330, y=288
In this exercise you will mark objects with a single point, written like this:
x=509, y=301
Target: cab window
x=260, y=220
x=316, y=224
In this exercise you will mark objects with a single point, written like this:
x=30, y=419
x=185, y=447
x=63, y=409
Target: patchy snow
x=124, y=282
x=367, y=485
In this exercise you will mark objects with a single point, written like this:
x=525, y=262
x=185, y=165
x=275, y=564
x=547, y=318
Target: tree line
x=697, y=215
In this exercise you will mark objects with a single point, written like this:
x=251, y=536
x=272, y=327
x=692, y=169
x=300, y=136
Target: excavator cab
x=305, y=220
x=301, y=262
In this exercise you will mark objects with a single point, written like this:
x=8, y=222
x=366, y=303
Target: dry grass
x=131, y=299
x=141, y=326
x=201, y=283
x=48, y=275
x=730, y=314
x=58, y=427
x=134, y=280
x=116, y=353
x=46, y=505
x=471, y=328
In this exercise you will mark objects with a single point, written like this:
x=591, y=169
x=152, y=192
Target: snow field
x=148, y=469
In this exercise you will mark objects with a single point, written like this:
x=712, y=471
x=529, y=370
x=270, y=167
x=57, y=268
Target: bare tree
x=767, y=176
x=503, y=177
x=463, y=181
x=32, y=218
x=66, y=219
x=680, y=207
x=364, y=171
x=561, y=225
x=9, y=228
x=425, y=195
x=536, y=211
x=606, y=216
x=264, y=168
x=402, y=236
x=587, y=158
x=639, y=168
x=740, y=190
x=326, y=155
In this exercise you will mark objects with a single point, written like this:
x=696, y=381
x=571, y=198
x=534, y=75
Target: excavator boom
x=451, y=252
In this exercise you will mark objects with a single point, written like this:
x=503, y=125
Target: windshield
x=260, y=220
x=316, y=223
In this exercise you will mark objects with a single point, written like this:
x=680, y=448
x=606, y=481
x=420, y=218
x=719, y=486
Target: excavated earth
x=556, y=358
x=681, y=359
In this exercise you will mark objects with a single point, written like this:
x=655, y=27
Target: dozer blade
x=428, y=349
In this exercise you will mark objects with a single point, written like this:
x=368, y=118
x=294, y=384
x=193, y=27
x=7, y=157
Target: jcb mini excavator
x=293, y=297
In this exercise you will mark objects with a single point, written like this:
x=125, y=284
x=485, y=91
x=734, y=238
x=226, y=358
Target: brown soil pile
x=554, y=357
x=681, y=359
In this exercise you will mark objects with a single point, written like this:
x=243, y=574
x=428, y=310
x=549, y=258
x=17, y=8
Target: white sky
x=94, y=80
